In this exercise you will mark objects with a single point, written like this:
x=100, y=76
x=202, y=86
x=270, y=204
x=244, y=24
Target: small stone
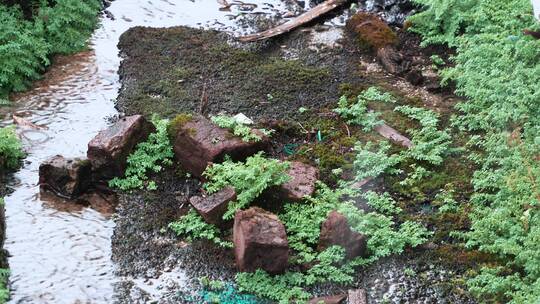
x=390, y=59
x=302, y=183
x=260, y=241
x=198, y=142
x=213, y=207
x=357, y=296
x=109, y=149
x=336, y=231
x=65, y=177
x=337, y=299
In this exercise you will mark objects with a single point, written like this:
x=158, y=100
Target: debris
x=303, y=181
x=390, y=133
x=371, y=31
x=390, y=59
x=337, y=299
x=199, y=142
x=306, y=17
x=109, y=149
x=357, y=296
x=25, y=123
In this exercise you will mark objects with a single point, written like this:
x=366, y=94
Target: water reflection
x=61, y=252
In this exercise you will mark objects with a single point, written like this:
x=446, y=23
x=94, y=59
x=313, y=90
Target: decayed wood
x=390, y=133
x=360, y=184
x=306, y=17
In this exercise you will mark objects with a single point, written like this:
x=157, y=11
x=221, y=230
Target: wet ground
x=269, y=82
x=61, y=254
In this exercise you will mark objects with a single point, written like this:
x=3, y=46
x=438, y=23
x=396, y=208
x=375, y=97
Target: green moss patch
x=190, y=63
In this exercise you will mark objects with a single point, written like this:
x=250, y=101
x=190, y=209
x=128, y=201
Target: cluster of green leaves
x=249, y=179
x=4, y=291
x=303, y=223
x=239, y=129
x=429, y=143
x=26, y=45
x=289, y=287
x=498, y=69
x=192, y=226
x=359, y=113
x=10, y=149
x=149, y=156
x=430, y=146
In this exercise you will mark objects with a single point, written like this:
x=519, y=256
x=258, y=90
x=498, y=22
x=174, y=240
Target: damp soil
x=289, y=84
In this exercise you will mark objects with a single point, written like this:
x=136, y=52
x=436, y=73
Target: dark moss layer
x=167, y=71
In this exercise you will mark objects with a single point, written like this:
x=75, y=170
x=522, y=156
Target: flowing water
x=61, y=253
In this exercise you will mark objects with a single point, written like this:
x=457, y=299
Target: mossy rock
x=371, y=32
x=177, y=123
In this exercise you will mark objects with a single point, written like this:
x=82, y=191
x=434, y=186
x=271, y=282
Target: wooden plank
x=306, y=17
x=390, y=133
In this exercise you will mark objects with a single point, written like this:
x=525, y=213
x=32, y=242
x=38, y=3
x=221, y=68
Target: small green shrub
x=192, y=226
x=241, y=130
x=149, y=157
x=10, y=149
x=26, y=45
x=288, y=288
x=249, y=179
x=429, y=143
x=68, y=24
x=359, y=113
x=303, y=223
x=496, y=67
x=382, y=203
x=371, y=161
x=4, y=291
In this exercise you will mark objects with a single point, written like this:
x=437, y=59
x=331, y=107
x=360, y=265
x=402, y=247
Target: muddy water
x=59, y=253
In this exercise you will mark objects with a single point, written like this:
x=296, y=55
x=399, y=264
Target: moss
x=336, y=150
x=177, y=123
x=189, y=61
x=457, y=255
x=371, y=31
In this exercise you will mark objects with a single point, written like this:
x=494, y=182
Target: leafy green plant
x=496, y=68
x=382, y=203
x=68, y=24
x=303, y=229
x=149, y=157
x=10, y=149
x=239, y=129
x=359, y=113
x=26, y=45
x=4, y=291
x=249, y=179
x=371, y=161
x=429, y=143
x=192, y=226
x=288, y=288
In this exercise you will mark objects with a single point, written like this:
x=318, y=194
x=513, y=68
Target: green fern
x=149, y=157
x=11, y=151
x=249, y=179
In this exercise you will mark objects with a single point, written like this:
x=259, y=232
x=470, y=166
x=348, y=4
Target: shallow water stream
x=59, y=253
